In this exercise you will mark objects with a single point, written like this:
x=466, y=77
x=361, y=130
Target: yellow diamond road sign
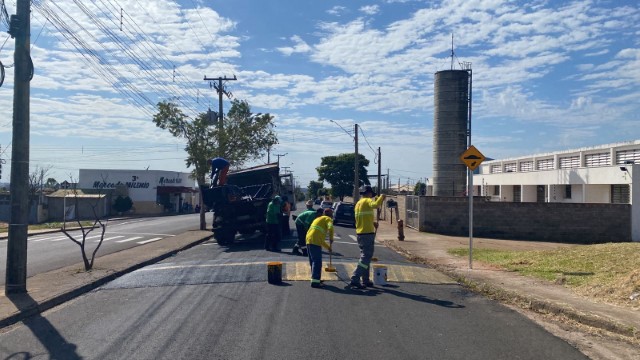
x=472, y=157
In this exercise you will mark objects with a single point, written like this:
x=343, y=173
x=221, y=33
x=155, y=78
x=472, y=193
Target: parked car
x=326, y=204
x=344, y=214
x=317, y=202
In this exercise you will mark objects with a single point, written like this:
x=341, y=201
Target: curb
x=69, y=295
x=523, y=301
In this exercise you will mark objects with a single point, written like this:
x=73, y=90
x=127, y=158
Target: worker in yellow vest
x=366, y=233
x=320, y=228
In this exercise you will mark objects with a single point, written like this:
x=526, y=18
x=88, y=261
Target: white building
x=599, y=174
x=152, y=191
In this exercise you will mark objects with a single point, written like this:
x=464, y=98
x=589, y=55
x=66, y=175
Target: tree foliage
x=243, y=137
x=312, y=189
x=420, y=188
x=122, y=204
x=339, y=172
x=51, y=183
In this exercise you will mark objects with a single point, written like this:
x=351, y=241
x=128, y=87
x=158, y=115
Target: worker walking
x=219, y=170
x=318, y=231
x=272, y=240
x=303, y=222
x=365, y=232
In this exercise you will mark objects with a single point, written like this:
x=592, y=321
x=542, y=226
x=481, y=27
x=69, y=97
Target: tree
x=122, y=204
x=312, y=189
x=339, y=171
x=86, y=230
x=36, y=179
x=51, y=183
x=420, y=188
x=244, y=136
x=300, y=196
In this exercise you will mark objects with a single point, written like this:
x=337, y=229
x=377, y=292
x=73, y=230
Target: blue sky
x=547, y=76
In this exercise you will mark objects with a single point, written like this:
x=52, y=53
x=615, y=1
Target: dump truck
x=241, y=204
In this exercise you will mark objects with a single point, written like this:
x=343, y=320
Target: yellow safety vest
x=318, y=231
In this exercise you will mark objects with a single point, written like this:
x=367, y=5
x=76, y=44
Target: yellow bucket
x=274, y=272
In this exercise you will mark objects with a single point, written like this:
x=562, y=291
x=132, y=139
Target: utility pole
x=379, y=180
x=279, y=156
x=16, y=274
x=379, y=171
x=356, y=181
x=220, y=89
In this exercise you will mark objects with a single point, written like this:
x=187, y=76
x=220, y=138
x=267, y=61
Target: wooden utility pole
x=16, y=274
x=279, y=156
x=220, y=89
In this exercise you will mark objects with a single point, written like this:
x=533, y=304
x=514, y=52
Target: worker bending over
x=318, y=231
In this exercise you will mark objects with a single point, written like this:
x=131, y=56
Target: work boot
x=317, y=285
x=367, y=283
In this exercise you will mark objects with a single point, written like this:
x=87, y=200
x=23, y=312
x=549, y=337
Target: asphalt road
x=213, y=302
x=46, y=252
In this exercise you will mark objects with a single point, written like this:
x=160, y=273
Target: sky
x=547, y=76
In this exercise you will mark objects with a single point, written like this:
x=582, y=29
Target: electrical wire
x=129, y=56
x=375, y=154
x=5, y=41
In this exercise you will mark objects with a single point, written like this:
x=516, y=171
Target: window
x=544, y=164
x=626, y=156
x=496, y=169
x=620, y=194
x=570, y=162
x=526, y=166
x=594, y=160
x=567, y=191
x=510, y=167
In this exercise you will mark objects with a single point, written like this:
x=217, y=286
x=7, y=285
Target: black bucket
x=274, y=272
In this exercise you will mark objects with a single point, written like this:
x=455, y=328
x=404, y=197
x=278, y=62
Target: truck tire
x=247, y=231
x=224, y=236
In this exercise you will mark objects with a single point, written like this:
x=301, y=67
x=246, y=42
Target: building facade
x=152, y=191
x=600, y=174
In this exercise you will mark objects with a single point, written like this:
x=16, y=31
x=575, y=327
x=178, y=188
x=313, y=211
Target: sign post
x=472, y=157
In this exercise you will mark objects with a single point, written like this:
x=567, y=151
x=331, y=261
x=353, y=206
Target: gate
x=413, y=212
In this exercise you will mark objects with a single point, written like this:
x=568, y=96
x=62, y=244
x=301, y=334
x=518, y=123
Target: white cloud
x=299, y=47
x=337, y=10
x=370, y=9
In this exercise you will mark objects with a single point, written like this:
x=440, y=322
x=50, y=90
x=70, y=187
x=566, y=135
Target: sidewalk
x=46, y=290
x=537, y=295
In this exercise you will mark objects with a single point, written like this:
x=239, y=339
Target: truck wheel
x=224, y=236
x=247, y=231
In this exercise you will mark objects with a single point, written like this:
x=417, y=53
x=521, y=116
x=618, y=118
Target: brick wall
x=561, y=222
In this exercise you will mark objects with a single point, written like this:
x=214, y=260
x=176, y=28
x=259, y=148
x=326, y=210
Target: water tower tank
x=450, y=124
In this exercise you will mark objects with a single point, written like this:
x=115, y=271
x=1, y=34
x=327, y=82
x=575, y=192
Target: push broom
x=330, y=268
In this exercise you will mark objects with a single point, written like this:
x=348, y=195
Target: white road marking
x=354, y=238
x=148, y=241
x=79, y=238
x=150, y=234
x=129, y=239
x=350, y=243
x=49, y=238
x=110, y=238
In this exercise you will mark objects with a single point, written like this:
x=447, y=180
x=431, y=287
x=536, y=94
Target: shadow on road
x=43, y=330
x=389, y=289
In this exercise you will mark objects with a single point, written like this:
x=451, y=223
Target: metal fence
x=413, y=211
